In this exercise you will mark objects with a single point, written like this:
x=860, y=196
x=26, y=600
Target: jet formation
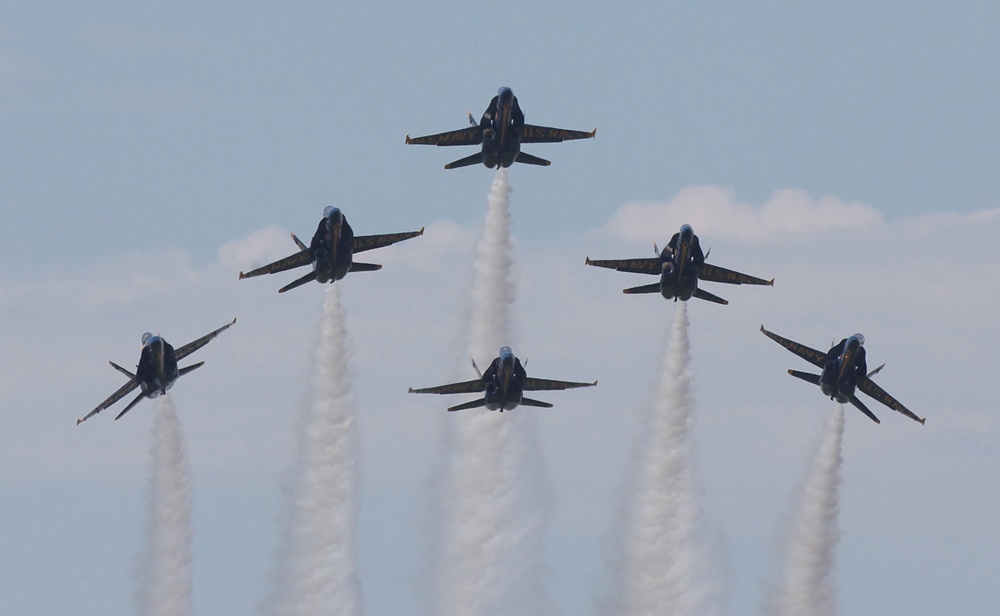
x=500, y=132
x=157, y=370
x=331, y=252
x=680, y=266
x=844, y=369
x=502, y=385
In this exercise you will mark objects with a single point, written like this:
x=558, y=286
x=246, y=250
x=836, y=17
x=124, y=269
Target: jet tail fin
x=187, y=369
x=468, y=405
x=365, y=267
x=539, y=403
x=131, y=404
x=876, y=371
x=864, y=409
x=805, y=376
x=528, y=159
x=473, y=359
x=122, y=370
x=476, y=158
x=299, y=243
x=646, y=288
x=299, y=282
x=705, y=295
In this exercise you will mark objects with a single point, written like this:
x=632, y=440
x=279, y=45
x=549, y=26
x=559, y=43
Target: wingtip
x=410, y=390
x=922, y=420
x=408, y=140
x=242, y=275
x=593, y=133
x=593, y=384
x=587, y=261
x=79, y=421
x=421, y=232
x=233, y=322
x=770, y=283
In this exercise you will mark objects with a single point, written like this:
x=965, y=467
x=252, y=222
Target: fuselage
x=332, y=246
x=844, y=368
x=681, y=261
x=503, y=382
x=502, y=124
x=157, y=370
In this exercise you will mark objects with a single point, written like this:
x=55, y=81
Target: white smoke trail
x=165, y=587
x=316, y=563
x=807, y=584
x=494, y=515
x=662, y=566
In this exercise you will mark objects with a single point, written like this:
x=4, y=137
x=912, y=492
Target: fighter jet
x=680, y=266
x=157, y=370
x=844, y=370
x=503, y=385
x=331, y=251
x=501, y=131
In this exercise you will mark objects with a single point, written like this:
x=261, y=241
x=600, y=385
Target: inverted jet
x=845, y=370
x=680, y=266
x=157, y=370
x=331, y=252
x=502, y=385
x=500, y=132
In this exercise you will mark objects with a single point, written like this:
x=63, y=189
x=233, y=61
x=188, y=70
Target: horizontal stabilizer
x=539, y=403
x=805, y=376
x=299, y=282
x=475, y=159
x=122, y=370
x=187, y=369
x=365, y=267
x=864, y=409
x=705, y=295
x=468, y=405
x=131, y=404
x=646, y=288
x=528, y=159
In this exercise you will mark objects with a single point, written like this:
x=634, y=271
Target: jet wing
x=816, y=358
x=370, y=242
x=638, y=266
x=466, y=387
x=123, y=391
x=191, y=347
x=714, y=273
x=872, y=389
x=463, y=136
x=298, y=259
x=531, y=384
x=544, y=134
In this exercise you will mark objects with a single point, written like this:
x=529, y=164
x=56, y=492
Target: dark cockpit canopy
x=505, y=95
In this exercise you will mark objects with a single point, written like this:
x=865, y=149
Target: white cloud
x=715, y=212
x=258, y=248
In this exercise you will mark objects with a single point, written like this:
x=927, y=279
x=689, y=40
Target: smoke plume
x=493, y=511
x=165, y=568
x=316, y=561
x=807, y=584
x=662, y=565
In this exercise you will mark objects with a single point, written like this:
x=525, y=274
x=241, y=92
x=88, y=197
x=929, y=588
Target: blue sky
x=150, y=153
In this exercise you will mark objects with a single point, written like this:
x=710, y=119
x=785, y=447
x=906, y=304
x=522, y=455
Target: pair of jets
x=681, y=265
x=502, y=385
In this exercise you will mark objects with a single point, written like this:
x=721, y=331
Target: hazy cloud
x=716, y=212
